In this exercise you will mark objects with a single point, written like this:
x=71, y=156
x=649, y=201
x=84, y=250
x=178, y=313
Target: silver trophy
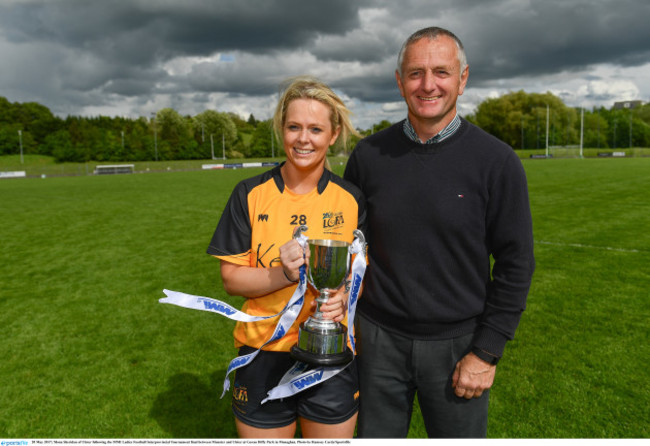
x=323, y=341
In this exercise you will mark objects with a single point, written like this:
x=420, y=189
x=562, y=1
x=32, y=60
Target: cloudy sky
x=134, y=57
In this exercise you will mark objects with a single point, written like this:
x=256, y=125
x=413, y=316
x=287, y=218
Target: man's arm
x=510, y=241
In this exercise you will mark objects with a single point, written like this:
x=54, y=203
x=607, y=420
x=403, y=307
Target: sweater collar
x=443, y=134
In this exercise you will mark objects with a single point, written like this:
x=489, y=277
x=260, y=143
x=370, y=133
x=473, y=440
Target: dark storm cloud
x=378, y=86
x=139, y=31
x=505, y=39
x=117, y=45
x=76, y=53
x=550, y=36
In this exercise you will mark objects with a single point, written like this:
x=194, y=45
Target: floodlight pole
x=155, y=134
x=20, y=140
x=212, y=144
x=223, y=145
x=547, y=115
x=630, y=127
x=582, y=127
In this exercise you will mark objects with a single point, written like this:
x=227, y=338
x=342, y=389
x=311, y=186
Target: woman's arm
x=250, y=282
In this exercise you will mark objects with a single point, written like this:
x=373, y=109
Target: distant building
x=627, y=104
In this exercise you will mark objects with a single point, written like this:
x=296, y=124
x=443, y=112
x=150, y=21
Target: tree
x=219, y=126
x=173, y=133
x=643, y=113
x=519, y=119
x=6, y=111
x=37, y=120
x=9, y=139
x=595, y=128
x=59, y=144
x=261, y=144
x=139, y=140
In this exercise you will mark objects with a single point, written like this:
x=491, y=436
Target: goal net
x=564, y=151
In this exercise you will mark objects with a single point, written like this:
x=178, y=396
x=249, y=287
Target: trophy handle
x=358, y=235
x=299, y=230
x=297, y=233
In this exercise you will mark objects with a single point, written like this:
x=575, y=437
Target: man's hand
x=472, y=377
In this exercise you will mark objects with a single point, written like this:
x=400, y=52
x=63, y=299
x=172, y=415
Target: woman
x=260, y=261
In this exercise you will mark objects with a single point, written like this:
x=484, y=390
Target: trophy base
x=322, y=345
x=331, y=359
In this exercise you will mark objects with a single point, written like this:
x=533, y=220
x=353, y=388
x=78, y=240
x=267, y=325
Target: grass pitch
x=88, y=352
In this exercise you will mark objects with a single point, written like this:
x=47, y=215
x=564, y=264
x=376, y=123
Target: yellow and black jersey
x=261, y=215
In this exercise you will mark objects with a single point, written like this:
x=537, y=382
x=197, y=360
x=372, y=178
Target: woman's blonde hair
x=308, y=87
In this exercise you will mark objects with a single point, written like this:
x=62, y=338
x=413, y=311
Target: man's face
x=431, y=81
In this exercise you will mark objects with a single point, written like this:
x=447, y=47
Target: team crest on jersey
x=332, y=222
x=240, y=394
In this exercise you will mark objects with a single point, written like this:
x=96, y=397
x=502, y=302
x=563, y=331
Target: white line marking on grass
x=580, y=245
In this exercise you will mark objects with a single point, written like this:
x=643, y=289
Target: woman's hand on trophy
x=292, y=257
x=336, y=306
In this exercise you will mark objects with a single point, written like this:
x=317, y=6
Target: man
x=443, y=197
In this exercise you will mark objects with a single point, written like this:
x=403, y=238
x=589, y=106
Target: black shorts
x=331, y=402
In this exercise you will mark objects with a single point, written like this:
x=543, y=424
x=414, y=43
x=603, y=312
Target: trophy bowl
x=323, y=341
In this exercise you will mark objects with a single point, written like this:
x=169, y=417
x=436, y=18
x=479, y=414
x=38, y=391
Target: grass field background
x=88, y=352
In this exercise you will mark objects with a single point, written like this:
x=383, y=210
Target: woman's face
x=308, y=133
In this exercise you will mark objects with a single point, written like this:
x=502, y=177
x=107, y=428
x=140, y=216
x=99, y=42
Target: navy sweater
x=436, y=213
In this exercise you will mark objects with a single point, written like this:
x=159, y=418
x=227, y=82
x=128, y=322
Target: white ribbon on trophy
x=299, y=377
x=296, y=379
x=288, y=314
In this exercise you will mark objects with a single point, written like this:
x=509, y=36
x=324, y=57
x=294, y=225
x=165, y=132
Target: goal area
x=564, y=151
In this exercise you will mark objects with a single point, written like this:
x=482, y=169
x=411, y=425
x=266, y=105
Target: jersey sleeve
x=231, y=240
